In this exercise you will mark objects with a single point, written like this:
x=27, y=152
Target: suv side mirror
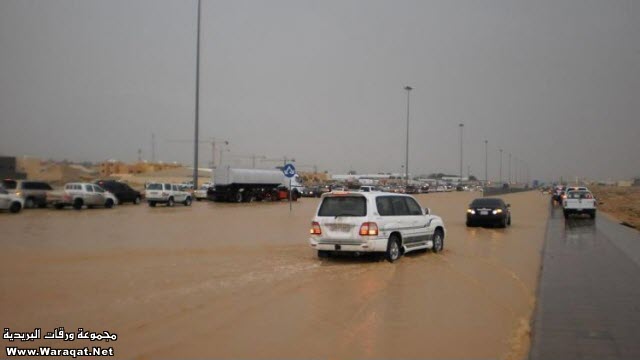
x=508, y=205
x=427, y=211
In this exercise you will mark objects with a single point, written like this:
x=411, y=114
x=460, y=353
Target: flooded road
x=240, y=281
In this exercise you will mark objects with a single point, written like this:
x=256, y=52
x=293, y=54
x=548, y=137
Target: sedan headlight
x=496, y=211
x=471, y=211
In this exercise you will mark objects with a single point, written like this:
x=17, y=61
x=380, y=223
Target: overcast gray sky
x=554, y=82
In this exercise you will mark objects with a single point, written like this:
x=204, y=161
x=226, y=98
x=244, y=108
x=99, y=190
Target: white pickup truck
x=579, y=201
x=81, y=194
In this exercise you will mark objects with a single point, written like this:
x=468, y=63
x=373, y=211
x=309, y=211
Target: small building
x=8, y=168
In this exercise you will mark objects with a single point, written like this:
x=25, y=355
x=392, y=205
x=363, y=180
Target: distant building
x=454, y=179
x=625, y=183
x=110, y=167
x=8, y=168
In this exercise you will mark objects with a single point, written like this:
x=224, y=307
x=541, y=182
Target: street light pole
x=509, y=168
x=406, y=159
x=486, y=162
x=515, y=170
x=461, y=149
x=196, y=141
x=500, y=165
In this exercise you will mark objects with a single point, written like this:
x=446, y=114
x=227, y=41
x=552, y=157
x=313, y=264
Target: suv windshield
x=154, y=187
x=343, y=206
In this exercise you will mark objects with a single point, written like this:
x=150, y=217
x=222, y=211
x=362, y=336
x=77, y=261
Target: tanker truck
x=247, y=185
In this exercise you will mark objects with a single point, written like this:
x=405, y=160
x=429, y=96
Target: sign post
x=289, y=171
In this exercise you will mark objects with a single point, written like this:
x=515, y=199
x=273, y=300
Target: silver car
x=79, y=195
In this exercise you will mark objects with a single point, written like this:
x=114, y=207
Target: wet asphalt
x=589, y=292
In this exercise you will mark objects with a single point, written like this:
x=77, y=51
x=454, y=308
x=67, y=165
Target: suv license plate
x=484, y=213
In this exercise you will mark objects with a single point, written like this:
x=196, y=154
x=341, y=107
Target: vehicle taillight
x=369, y=228
x=315, y=229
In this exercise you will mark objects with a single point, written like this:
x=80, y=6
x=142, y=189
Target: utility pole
x=406, y=159
x=486, y=162
x=500, y=165
x=509, y=168
x=461, y=150
x=515, y=163
x=196, y=141
x=153, y=147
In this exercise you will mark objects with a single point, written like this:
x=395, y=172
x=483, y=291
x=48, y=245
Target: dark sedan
x=312, y=191
x=122, y=191
x=489, y=211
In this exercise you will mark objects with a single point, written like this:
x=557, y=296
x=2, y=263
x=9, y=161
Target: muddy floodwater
x=240, y=281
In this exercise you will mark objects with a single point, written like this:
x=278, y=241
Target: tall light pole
x=196, y=141
x=461, y=150
x=500, y=165
x=486, y=162
x=509, y=168
x=406, y=158
x=515, y=170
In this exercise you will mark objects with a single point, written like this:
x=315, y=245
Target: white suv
x=9, y=201
x=160, y=193
x=393, y=224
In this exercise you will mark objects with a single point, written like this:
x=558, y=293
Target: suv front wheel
x=438, y=242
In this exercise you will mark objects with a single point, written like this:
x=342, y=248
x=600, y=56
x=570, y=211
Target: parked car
x=368, y=188
x=79, y=195
x=410, y=189
x=489, y=211
x=34, y=193
x=122, y=191
x=579, y=201
x=165, y=193
x=10, y=201
x=374, y=222
x=313, y=191
x=201, y=194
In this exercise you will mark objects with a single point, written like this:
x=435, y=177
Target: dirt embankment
x=621, y=202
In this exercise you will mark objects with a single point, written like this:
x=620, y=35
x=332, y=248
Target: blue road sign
x=289, y=170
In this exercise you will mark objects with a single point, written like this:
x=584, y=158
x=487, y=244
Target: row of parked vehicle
x=575, y=200
x=16, y=195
